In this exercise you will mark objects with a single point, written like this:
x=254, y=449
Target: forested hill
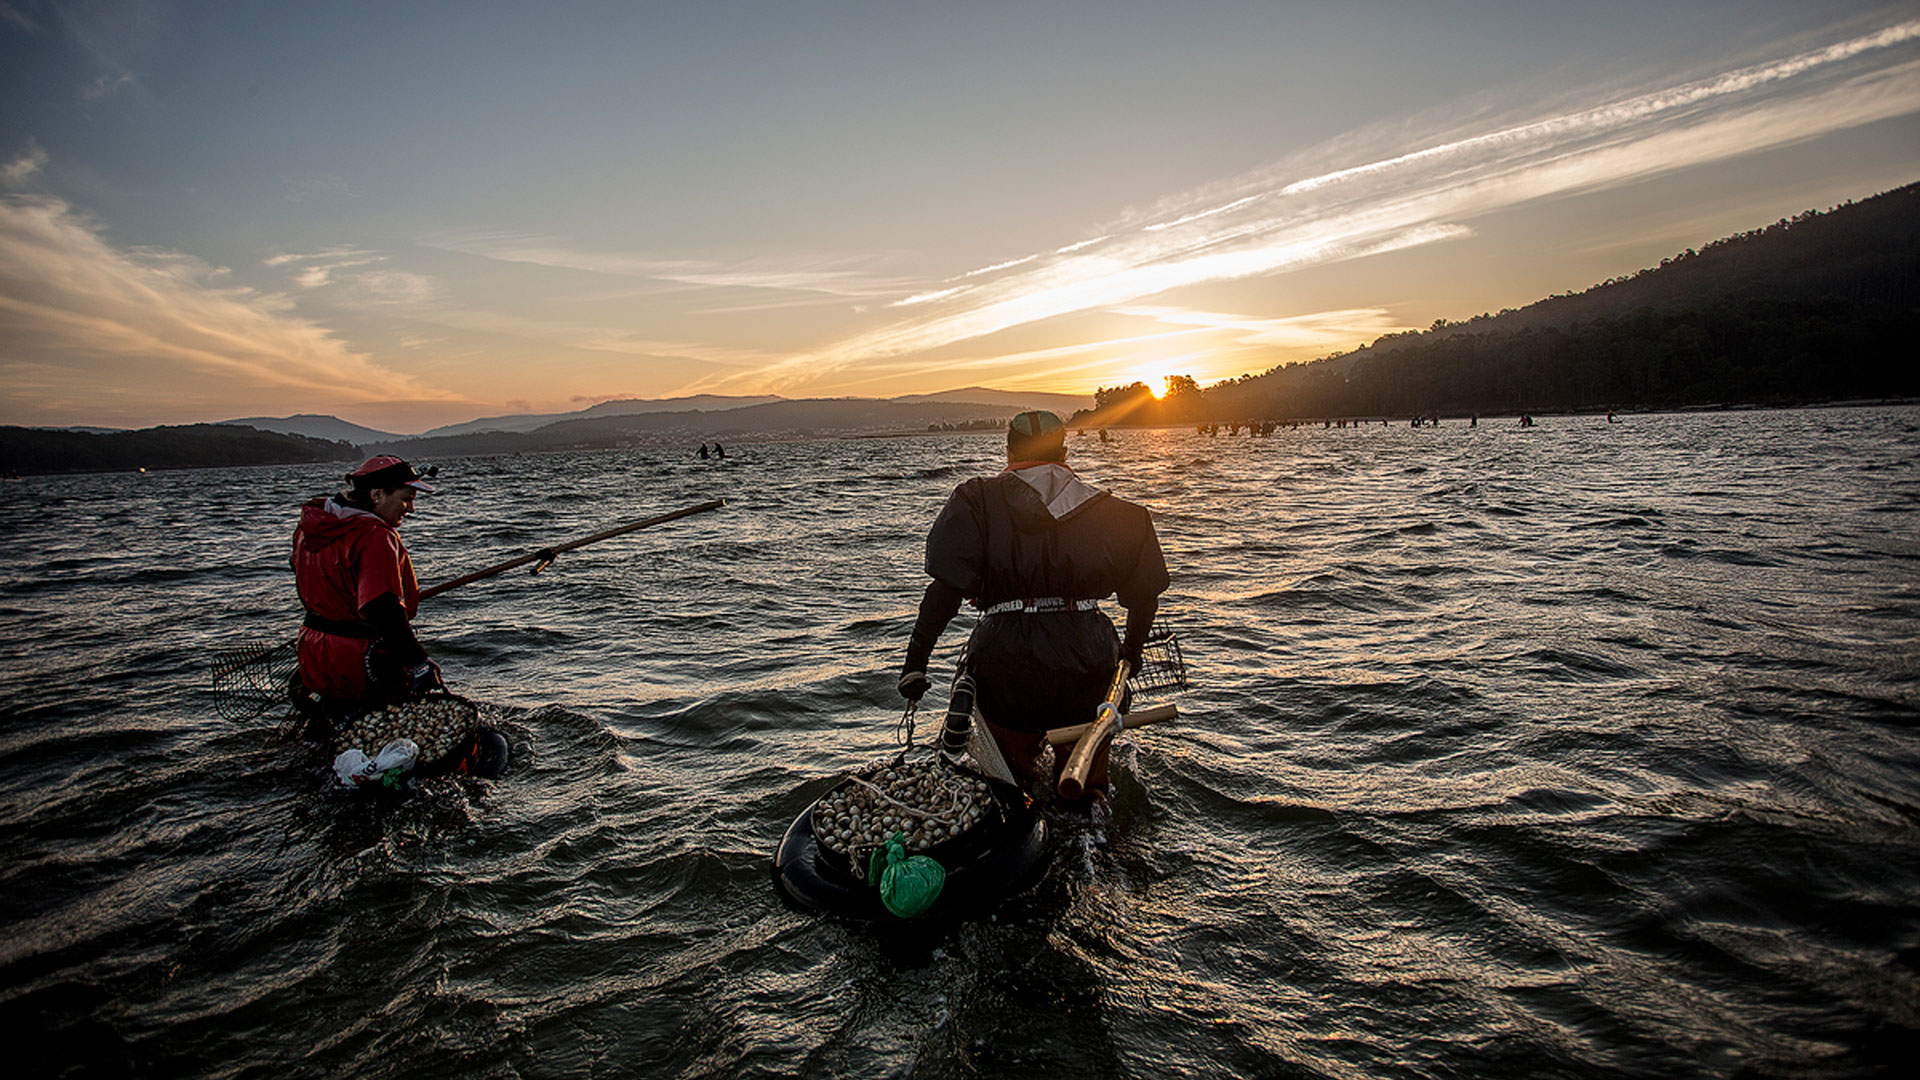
x=190, y=446
x=1820, y=307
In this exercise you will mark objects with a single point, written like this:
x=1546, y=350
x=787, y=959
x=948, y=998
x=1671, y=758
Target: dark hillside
x=1819, y=307
x=190, y=446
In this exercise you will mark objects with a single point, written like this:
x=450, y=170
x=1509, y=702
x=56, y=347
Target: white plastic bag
x=354, y=769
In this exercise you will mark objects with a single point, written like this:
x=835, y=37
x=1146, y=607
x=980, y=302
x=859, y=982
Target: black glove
x=1139, y=622
x=913, y=685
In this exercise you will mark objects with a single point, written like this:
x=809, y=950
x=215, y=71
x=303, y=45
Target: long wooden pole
x=1106, y=723
x=545, y=555
x=1138, y=718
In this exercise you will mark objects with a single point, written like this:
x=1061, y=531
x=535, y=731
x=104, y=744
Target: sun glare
x=1157, y=386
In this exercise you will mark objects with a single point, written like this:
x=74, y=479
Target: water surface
x=1584, y=750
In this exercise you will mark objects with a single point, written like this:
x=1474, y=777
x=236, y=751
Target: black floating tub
x=1001, y=856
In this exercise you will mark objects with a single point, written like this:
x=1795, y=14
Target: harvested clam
x=926, y=804
x=435, y=725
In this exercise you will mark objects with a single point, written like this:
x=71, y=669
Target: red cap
x=387, y=471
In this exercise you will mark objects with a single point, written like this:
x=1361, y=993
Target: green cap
x=1033, y=424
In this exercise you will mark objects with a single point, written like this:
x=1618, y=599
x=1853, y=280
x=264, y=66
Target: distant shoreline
x=1624, y=410
x=669, y=450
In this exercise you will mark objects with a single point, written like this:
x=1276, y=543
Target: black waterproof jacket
x=1038, y=532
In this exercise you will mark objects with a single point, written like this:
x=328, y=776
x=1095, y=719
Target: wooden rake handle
x=546, y=555
x=1138, y=718
x=1106, y=724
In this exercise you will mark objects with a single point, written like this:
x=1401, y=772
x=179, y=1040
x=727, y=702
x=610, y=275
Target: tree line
x=25, y=451
x=1816, y=307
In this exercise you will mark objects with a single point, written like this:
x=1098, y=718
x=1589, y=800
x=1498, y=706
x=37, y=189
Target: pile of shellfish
x=925, y=803
x=434, y=724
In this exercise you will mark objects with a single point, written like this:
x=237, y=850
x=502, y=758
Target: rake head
x=251, y=681
x=1162, y=667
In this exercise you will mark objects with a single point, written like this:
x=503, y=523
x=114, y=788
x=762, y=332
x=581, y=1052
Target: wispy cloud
x=1205, y=344
x=361, y=277
x=1201, y=215
x=1073, y=247
x=1029, y=365
x=107, y=85
x=1301, y=213
x=1089, y=282
x=317, y=268
x=1319, y=331
x=395, y=287
x=996, y=267
x=332, y=254
x=13, y=16
x=639, y=345
x=22, y=168
x=85, y=322
x=835, y=276
x=556, y=335
x=1621, y=114
x=928, y=297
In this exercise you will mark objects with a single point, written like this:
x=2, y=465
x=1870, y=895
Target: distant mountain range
x=332, y=427
x=621, y=407
x=308, y=437
x=1064, y=404
x=781, y=418
x=315, y=426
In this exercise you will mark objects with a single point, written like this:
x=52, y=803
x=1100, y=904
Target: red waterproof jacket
x=344, y=559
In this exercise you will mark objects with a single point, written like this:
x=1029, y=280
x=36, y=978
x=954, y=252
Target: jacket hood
x=1060, y=494
x=325, y=520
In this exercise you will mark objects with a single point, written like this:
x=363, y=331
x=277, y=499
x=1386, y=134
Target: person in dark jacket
x=1035, y=549
x=356, y=581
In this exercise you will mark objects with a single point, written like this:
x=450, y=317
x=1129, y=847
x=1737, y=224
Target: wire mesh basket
x=1162, y=666
x=253, y=680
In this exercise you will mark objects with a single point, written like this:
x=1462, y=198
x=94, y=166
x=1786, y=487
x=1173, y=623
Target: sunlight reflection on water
x=1576, y=750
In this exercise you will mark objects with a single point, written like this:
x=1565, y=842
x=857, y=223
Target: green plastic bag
x=909, y=884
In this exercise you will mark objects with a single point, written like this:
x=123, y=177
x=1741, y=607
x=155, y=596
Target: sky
x=409, y=215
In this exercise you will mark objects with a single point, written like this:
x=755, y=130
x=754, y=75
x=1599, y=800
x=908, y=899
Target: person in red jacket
x=356, y=582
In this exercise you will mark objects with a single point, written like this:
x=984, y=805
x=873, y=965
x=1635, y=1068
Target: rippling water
x=1577, y=751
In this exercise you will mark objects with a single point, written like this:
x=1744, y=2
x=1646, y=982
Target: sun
x=1153, y=378
x=1156, y=385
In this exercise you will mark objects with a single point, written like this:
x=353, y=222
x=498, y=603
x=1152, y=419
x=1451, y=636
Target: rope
x=903, y=730
x=884, y=797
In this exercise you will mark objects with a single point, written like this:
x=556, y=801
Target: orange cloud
x=92, y=333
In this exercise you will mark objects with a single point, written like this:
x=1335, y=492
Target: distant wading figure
x=1036, y=549
x=356, y=581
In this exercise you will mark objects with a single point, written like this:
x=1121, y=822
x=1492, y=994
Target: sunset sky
x=409, y=214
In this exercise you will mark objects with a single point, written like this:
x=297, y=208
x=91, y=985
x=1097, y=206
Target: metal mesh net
x=250, y=681
x=1162, y=667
